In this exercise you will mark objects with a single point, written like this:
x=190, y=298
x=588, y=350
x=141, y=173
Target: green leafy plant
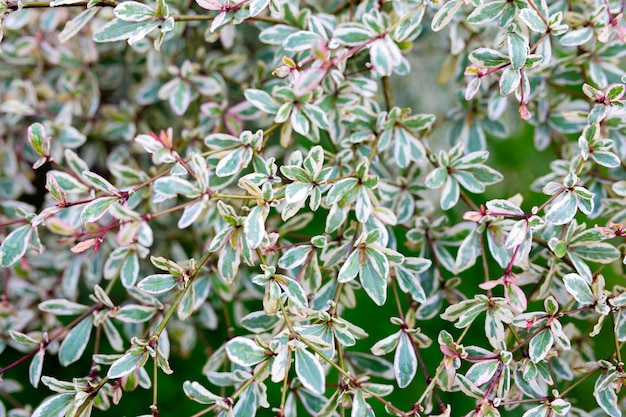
x=213, y=207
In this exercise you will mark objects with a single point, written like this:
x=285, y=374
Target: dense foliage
x=230, y=188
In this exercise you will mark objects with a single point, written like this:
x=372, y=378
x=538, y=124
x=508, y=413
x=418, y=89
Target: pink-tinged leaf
x=489, y=285
x=308, y=80
x=209, y=4
x=472, y=88
x=472, y=216
x=58, y=226
x=524, y=113
x=52, y=185
x=84, y=245
x=38, y=139
x=516, y=297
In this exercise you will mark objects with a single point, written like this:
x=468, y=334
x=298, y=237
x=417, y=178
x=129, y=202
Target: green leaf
x=382, y=56
x=373, y=276
x=436, y=178
x=468, y=181
x=606, y=159
x=409, y=26
x=248, y=403
x=312, y=112
x=35, y=368
x=481, y=372
x=294, y=257
x=157, y=283
x=61, y=307
x=261, y=100
x=310, y=371
x=38, y=139
x=276, y=34
x=577, y=37
x=98, y=182
x=518, y=50
x=117, y=30
x=55, y=406
x=94, y=210
x=509, y=81
x=297, y=191
x=257, y=6
x=485, y=174
x=468, y=388
x=578, y=287
x=538, y=411
x=129, y=272
x=186, y=306
x=300, y=41
x=615, y=91
x=254, y=226
x=562, y=210
x=341, y=188
x=350, y=268
x=405, y=361
x=560, y=406
x=532, y=20
x=72, y=27
x=597, y=113
x=67, y=182
x=363, y=207
x=113, y=335
x=374, y=365
x=503, y=206
x=259, y=322
x=199, y=394
x=180, y=97
x=128, y=363
x=245, y=352
x=14, y=245
x=600, y=252
x=295, y=292
x=170, y=187
x=353, y=34
x=132, y=11
x=607, y=399
x=22, y=338
x=233, y=162
x=468, y=252
x=299, y=122
x=190, y=215
x=445, y=14
x=410, y=283
x=228, y=263
x=540, y=345
x=59, y=386
x=470, y=314
x=486, y=12
x=75, y=342
x=360, y=408
x=488, y=58
x=135, y=313
x=450, y=193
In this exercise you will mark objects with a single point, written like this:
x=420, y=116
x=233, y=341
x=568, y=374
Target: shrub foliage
x=238, y=174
